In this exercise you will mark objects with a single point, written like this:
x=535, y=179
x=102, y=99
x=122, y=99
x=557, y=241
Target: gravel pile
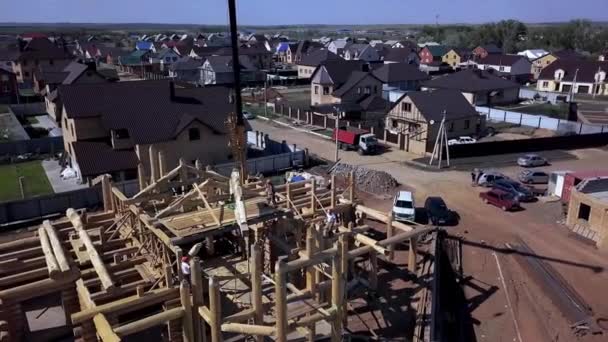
x=376, y=182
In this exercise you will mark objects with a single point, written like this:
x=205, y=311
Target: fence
x=268, y=164
x=540, y=121
x=43, y=206
x=529, y=145
x=49, y=145
x=551, y=97
x=28, y=109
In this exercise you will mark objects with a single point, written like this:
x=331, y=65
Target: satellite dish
x=432, y=122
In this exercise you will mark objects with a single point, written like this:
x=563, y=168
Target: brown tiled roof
x=433, y=104
x=42, y=48
x=318, y=57
x=340, y=70
x=506, y=60
x=145, y=108
x=586, y=70
x=470, y=80
x=96, y=158
x=395, y=72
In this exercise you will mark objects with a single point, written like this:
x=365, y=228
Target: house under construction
x=268, y=271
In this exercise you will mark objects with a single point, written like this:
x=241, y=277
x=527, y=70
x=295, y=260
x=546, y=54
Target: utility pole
x=441, y=142
x=336, y=132
x=597, y=81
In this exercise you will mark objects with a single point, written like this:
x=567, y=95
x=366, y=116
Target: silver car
x=533, y=177
x=531, y=160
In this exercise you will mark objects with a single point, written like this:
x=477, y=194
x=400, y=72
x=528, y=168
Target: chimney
x=365, y=67
x=172, y=90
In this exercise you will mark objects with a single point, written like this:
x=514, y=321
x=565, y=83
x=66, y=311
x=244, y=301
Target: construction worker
x=270, y=195
x=185, y=265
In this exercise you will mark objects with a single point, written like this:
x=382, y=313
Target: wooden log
x=98, y=265
x=149, y=322
x=248, y=329
x=280, y=279
x=240, y=317
x=24, y=276
x=318, y=258
x=411, y=260
x=104, y=329
x=196, y=279
x=187, y=327
x=256, y=287
x=62, y=260
x=19, y=244
x=215, y=308
x=128, y=304
x=51, y=262
x=37, y=288
x=389, y=234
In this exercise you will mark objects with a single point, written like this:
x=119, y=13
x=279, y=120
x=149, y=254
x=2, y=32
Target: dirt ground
x=505, y=303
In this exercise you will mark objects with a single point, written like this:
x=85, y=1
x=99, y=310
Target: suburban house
x=402, y=55
x=330, y=76
x=454, y=57
x=186, y=69
x=218, y=70
x=38, y=52
x=294, y=56
x=432, y=53
x=113, y=55
x=542, y=62
x=337, y=46
x=417, y=116
x=577, y=76
x=47, y=82
x=165, y=58
x=483, y=51
x=138, y=61
x=399, y=76
x=308, y=63
x=588, y=210
x=364, y=52
x=145, y=46
x=202, y=52
x=8, y=85
x=105, y=130
x=259, y=56
x=515, y=67
x=479, y=87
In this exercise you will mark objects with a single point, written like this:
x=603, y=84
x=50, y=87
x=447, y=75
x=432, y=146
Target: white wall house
x=520, y=67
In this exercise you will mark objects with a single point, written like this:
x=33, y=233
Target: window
x=325, y=90
x=584, y=211
x=316, y=90
x=368, y=90
x=406, y=107
x=467, y=124
x=501, y=68
x=121, y=133
x=358, y=90
x=375, y=89
x=395, y=123
x=545, y=84
x=194, y=134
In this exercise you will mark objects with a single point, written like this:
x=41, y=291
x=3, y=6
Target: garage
x=583, y=89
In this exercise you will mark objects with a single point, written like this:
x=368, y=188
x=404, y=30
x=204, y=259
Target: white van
x=403, y=207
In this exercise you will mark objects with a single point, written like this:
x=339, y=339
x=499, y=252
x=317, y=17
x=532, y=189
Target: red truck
x=351, y=138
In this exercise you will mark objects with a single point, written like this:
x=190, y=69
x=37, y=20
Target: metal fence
x=42, y=145
x=541, y=121
x=551, y=97
x=268, y=164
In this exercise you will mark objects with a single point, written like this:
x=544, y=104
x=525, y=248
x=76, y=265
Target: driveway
x=53, y=173
x=504, y=301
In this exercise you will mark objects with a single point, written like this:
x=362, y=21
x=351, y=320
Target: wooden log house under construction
x=268, y=272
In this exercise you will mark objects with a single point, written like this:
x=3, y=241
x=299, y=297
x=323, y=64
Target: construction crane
x=236, y=122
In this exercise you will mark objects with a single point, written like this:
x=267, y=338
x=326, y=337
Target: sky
x=292, y=12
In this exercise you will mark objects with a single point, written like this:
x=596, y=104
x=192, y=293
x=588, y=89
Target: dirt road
x=505, y=303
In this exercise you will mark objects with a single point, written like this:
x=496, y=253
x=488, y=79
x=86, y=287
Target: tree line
x=512, y=35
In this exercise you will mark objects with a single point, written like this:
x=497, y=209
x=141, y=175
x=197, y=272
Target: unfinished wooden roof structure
x=270, y=271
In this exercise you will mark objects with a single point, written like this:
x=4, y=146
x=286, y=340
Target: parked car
x=499, y=198
x=438, y=213
x=487, y=179
x=462, y=140
x=403, y=207
x=533, y=177
x=248, y=115
x=522, y=193
x=531, y=160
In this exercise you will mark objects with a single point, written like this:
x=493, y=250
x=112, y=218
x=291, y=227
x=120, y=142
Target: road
x=499, y=313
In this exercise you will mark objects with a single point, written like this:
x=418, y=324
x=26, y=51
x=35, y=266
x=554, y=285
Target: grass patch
x=559, y=111
x=259, y=111
x=32, y=120
x=35, y=181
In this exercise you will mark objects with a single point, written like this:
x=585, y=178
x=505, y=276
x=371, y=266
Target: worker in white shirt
x=185, y=265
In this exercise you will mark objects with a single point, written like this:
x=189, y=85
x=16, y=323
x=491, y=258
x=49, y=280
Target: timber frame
x=119, y=271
